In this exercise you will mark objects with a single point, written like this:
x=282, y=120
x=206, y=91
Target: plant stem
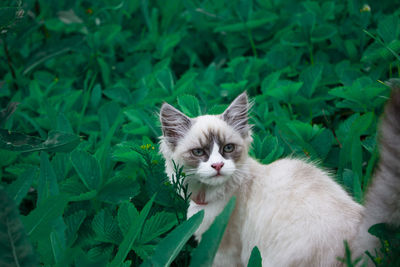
x=253, y=46
x=9, y=62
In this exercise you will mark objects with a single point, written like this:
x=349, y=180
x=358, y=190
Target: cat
x=292, y=210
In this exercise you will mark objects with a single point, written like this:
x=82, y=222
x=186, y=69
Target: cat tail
x=382, y=201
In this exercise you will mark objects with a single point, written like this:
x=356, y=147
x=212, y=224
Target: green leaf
x=83, y=259
x=127, y=215
x=168, y=248
x=55, y=142
x=84, y=196
x=285, y=90
x=47, y=184
x=244, y=26
x=205, y=252
x=167, y=43
x=7, y=158
x=217, y=109
x=352, y=182
x=144, y=251
x=310, y=77
x=105, y=70
x=125, y=152
x=119, y=93
x=108, y=33
x=63, y=124
x=352, y=145
x=294, y=38
x=255, y=258
x=322, y=33
x=16, y=249
x=267, y=149
x=95, y=97
x=102, y=251
x=106, y=228
x=132, y=235
x=107, y=115
x=165, y=80
x=18, y=189
x=306, y=20
x=189, y=105
x=383, y=231
x=157, y=225
x=73, y=222
x=322, y=143
x=57, y=246
x=389, y=28
x=88, y=169
x=118, y=189
x=270, y=81
x=381, y=52
x=39, y=219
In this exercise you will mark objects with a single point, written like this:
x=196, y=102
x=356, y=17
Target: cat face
x=211, y=148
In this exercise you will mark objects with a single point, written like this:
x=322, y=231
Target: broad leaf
x=119, y=189
x=88, y=169
x=127, y=215
x=132, y=234
x=73, y=223
x=18, y=189
x=168, y=249
x=157, y=225
x=255, y=258
x=37, y=222
x=47, y=184
x=106, y=228
x=189, y=105
x=204, y=254
x=55, y=142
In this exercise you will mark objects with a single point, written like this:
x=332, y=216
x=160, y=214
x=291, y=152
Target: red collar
x=199, y=198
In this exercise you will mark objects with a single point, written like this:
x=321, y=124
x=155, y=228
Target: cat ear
x=174, y=123
x=236, y=115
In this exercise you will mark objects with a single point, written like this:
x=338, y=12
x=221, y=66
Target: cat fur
x=292, y=210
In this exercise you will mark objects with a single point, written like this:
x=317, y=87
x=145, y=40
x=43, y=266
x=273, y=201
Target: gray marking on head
x=236, y=115
x=235, y=155
x=174, y=123
x=207, y=142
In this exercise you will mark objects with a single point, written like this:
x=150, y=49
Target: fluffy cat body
x=293, y=211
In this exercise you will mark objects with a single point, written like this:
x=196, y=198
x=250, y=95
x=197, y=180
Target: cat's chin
x=215, y=180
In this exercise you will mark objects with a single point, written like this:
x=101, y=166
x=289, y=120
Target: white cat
x=293, y=211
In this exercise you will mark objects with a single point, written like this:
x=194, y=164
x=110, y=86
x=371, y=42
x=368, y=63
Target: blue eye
x=229, y=148
x=198, y=152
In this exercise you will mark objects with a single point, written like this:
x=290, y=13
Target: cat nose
x=217, y=166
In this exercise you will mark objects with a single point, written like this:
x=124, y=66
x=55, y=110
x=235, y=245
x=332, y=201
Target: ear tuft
x=236, y=115
x=174, y=123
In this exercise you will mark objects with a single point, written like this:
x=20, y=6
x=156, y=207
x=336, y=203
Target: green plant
x=81, y=83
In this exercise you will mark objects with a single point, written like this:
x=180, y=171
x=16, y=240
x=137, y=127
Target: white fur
x=293, y=211
x=207, y=174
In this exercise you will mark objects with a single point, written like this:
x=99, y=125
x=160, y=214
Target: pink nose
x=217, y=166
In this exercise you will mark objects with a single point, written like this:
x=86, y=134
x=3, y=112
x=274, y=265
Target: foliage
x=15, y=248
x=390, y=245
x=81, y=83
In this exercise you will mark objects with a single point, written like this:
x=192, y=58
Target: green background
x=81, y=83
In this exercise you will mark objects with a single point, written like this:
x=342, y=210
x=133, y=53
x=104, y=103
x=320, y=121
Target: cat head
x=211, y=148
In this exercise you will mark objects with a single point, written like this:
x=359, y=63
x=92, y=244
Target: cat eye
x=198, y=152
x=229, y=148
